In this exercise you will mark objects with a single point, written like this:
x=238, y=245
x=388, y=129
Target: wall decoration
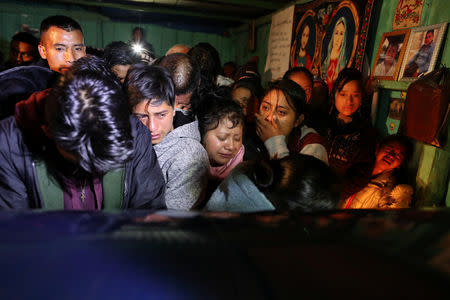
x=390, y=54
x=407, y=14
x=422, y=51
x=304, y=47
x=396, y=107
x=279, y=44
x=329, y=35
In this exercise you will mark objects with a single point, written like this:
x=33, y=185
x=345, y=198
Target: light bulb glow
x=137, y=48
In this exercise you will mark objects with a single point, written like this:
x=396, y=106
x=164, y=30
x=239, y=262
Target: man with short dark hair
x=62, y=42
x=23, y=50
x=420, y=63
x=182, y=158
x=74, y=147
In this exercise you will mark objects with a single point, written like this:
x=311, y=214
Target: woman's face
x=276, y=110
x=338, y=35
x=242, y=96
x=305, y=37
x=223, y=142
x=348, y=100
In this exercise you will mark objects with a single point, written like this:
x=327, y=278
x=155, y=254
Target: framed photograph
x=390, y=54
x=422, y=51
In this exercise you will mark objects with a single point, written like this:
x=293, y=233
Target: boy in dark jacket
x=76, y=147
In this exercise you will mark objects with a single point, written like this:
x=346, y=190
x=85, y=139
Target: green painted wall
x=240, y=38
x=432, y=164
x=99, y=30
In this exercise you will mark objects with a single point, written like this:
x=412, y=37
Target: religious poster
x=407, y=14
x=330, y=35
x=277, y=62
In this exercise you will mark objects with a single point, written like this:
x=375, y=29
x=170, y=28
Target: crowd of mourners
x=119, y=128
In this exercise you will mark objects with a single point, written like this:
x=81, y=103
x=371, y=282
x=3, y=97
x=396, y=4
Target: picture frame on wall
x=330, y=35
x=390, y=54
x=422, y=51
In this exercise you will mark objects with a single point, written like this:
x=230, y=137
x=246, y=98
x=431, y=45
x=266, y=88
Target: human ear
x=299, y=120
x=42, y=52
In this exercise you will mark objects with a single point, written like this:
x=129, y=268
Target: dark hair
x=120, y=53
x=63, y=22
x=26, y=37
x=90, y=50
x=216, y=106
x=344, y=77
x=208, y=60
x=86, y=115
x=152, y=83
x=430, y=31
x=94, y=64
x=297, y=181
x=295, y=95
x=296, y=70
x=252, y=84
x=138, y=29
x=184, y=72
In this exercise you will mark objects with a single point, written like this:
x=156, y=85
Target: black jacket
x=19, y=187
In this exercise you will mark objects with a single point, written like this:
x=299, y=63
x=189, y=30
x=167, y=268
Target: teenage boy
x=182, y=158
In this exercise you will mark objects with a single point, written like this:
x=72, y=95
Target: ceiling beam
x=269, y=5
x=149, y=9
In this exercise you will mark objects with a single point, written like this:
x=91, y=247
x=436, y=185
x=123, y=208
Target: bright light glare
x=137, y=48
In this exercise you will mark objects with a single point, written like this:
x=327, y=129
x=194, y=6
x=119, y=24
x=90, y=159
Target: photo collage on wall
x=329, y=36
x=408, y=54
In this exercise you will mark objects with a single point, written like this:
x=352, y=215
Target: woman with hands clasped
x=279, y=123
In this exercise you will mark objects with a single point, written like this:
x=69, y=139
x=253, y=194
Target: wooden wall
x=99, y=30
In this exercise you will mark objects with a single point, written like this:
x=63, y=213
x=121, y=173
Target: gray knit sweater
x=184, y=163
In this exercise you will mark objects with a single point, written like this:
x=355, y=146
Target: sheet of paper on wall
x=279, y=46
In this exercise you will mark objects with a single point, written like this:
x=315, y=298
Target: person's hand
x=266, y=129
x=183, y=106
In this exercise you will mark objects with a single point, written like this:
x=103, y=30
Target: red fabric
x=30, y=113
x=350, y=201
x=330, y=74
x=296, y=144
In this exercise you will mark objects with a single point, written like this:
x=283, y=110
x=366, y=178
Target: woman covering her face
x=335, y=60
x=279, y=123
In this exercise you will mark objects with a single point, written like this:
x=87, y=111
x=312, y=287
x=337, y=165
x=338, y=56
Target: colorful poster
x=330, y=35
x=407, y=14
